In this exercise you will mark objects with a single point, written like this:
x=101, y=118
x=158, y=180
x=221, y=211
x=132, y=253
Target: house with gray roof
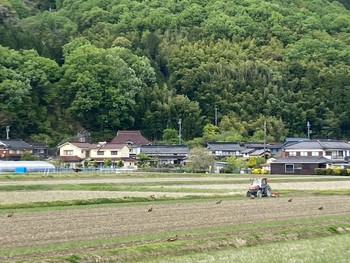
x=13, y=149
x=300, y=164
x=303, y=157
x=330, y=149
x=166, y=154
x=225, y=149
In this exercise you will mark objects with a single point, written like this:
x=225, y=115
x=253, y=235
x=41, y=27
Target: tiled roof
x=248, y=150
x=335, y=145
x=304, y=145
x=164, y=149
x=303, y=159
x=296, y=139
x=255, y=145
x=319, y=144
x=16, y=144
x=274, y=146
x=108, y=146
x=38, y=145
x=224, y=146
x=132, y=137
x=259, y=152
x=81, y=145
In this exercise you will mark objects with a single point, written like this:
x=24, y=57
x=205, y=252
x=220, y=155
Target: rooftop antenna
x=308, y=129
x=7, y=132
x=179, y=131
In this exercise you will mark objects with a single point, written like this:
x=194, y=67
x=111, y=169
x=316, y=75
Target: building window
x=314, y=154
x=303, y=153
x=298, y=166
x=100, y=153
x=337, y=155
x=114, y=152
x=328, y=153
x=68, y=152
x=289, y=168
x=292, y=153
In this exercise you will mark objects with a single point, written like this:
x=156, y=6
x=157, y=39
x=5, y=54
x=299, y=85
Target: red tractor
x=259, y=188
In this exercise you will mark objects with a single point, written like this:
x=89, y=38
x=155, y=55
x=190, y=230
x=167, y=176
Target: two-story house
x=304, y=157
x=40, y=149
x=13, y=149
x=114, y=152
x=330, y=149
x=133, y=138
x=73, y=153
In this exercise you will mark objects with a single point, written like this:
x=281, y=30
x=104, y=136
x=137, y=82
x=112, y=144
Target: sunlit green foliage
x=106, y=65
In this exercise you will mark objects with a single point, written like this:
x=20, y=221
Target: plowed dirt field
x=55, y=227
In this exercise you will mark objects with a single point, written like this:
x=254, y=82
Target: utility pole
x=7, y=132
x=179, y=131
x=264, y=136
x=265, y=157
x=308, y=129
x=216, y=116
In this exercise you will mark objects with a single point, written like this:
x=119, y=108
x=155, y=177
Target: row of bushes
x=332, y=171
x=259, y=171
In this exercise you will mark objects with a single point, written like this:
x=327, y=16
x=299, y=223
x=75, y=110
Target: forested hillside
x=105, y=65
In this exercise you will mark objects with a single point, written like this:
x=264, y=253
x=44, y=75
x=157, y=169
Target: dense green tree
x=99, y=85
x=147, y=64
x=170, y=136
x=27, y=92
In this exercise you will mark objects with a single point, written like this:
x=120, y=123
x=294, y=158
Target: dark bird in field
x=320, y=208
x=153, y=197
x=172, y=239
x=76, y=170
x=10, y=214
x=290, y=200
x=218, y=202
x=150, y=210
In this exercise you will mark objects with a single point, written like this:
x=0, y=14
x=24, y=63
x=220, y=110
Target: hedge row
x=332, y=171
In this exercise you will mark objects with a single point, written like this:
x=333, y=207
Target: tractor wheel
x=248, y=194
x=268, y=193
x=259, y=194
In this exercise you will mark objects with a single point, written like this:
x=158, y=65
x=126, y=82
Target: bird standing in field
x=153, y=197
x=218, y=202
x=290, y=200
x=150, y=210
x=76, y=170
x=172, y=239
x=320, y=208
x=10, y=214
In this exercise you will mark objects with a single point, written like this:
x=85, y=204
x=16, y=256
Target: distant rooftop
x=164, y=149
x=15, y=144
x=130, y=137
x=224, y=146
x=319, y=144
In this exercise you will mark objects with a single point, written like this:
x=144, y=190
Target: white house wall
x=121, y=153
x=81, y=153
